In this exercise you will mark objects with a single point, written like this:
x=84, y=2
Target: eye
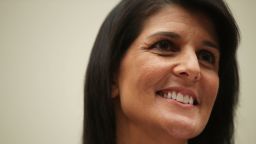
x=206, y=56
x=164, y=47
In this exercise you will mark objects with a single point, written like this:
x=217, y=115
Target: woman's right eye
x=164, y=47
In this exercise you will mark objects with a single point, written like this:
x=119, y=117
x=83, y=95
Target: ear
x=115, y=90
x=114, y=87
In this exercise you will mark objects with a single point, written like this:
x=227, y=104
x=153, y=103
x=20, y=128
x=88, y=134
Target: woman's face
x=168, y=79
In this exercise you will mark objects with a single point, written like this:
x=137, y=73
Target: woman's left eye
x=206, y=56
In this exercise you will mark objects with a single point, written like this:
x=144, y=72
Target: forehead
x=179, y=19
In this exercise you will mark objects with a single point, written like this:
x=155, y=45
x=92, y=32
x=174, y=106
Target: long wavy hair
x=121, y=27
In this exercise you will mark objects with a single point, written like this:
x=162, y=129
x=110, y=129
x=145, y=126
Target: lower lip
x=171, y=101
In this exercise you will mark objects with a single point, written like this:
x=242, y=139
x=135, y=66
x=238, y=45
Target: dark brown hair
x=119, y=30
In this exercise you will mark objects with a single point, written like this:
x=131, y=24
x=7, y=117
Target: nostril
x=194, y=77
x=187, y=72
x=184, y=74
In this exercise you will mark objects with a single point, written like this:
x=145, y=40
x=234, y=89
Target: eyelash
x=206, y=56
x=166, y=47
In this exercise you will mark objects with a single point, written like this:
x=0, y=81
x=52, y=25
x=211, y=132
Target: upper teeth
x=179, y=97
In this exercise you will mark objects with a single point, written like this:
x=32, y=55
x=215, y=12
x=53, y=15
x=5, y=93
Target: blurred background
x=44, y=49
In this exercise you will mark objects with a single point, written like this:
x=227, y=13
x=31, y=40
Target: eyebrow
x=167, y=34
x=174, y=35
x=210, y=44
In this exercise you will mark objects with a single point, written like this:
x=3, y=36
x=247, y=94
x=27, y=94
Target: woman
x=163, y=71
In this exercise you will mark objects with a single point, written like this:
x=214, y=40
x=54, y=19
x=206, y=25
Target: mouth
x=178, y=96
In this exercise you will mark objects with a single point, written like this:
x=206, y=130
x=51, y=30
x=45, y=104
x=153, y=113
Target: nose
x=188, y=67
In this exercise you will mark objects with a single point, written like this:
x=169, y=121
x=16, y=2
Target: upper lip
x=182, y=90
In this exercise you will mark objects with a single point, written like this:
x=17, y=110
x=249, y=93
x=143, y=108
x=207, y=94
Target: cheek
x=149, y=76
x=210, y=89
x=138, y=80
x=142, y=72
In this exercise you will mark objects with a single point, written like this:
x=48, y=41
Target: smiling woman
x=153, y=71
x=163, y=72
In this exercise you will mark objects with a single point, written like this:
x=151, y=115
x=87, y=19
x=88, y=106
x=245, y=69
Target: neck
x=132, y=133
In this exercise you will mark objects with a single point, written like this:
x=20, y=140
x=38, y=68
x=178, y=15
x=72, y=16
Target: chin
x=183, y=133
x=185, y=129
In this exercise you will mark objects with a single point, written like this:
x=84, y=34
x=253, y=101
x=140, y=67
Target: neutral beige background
x=44, y=48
